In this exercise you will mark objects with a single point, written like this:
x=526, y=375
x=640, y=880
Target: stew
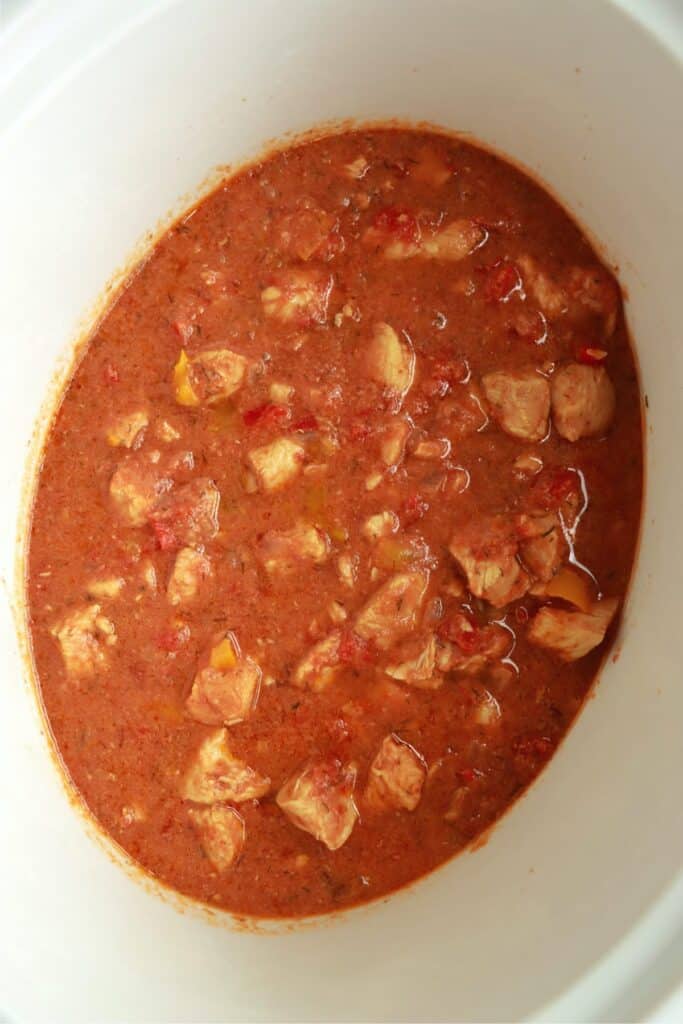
x=335, y=521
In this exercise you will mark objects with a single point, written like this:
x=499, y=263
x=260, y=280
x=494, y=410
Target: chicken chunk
x=572, y=634
x=396, y=776
x=298, y=297
x=543, y=546
x=486, y=551
x=420, y=669
x=135, y=488
x=520, y=402
x=347, y=569
x=190, y=570
x=319, y=800
x=187, y=515
x=390, y=360
x=276, y=464
x=382, y=524
x=547, y=292
x=126, y=430
x=221, y=833
x=318, y=668
x=593, y=291
x=454, y=242
x=583, y=401
x=83, y=636
x=393, y=443
x=285, y=551
x=392, y=611
x=107, y=588
x=309, y=232
x=217, y=373
x=225, y=696
x=467, y=648
x=215, y=775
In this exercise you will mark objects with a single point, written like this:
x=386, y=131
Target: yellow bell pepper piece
x=571, y=586
x=224, y=654
x=184, y=392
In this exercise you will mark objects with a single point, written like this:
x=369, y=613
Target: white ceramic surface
x=109, y=112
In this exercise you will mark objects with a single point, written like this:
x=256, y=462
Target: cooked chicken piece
x=309, y=232
x=298, y=297
x=217, y=373
x=318, y=668
x=82, y=636
x=420, y=670
x=221, y=833
x=595, y=292
x=390, y=360
x=319, y=800
x=107, y=589
x=216, y=775
x=396, y=776
x=431, y=169
x=486, y=550
x=583, y=401
x=135, y=489
x=165, y=431
x=187, y=515
x=543, y=547
x=391, y=612
x=284, y=551
x=549, y=295
x=466, y=648
x=382, y=524
x=486, y=709
x=520, y=402
x=347, y=568
x=454, y=242
x=277, y=463
x=125, y=430
x=224, y=696
x=190, y=570
x=432, y=448
x=357, y=169
x=572, y=634
x=393, y=442
x=280, y=393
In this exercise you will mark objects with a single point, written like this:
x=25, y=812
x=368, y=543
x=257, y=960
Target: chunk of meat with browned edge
x=519, y=402
x=390, y=360
x=283, y=552
x=319, y=800
x=217, y=374
x=583, y=401
x=135, y=488
x=542, y=547
x=298, y=297
x=572, y=634
x=216, y=775
x=396, y=776
x=221, y=832
x=225, y=696
x=486, y=551
x=392, y=611
x=317, y=669
x=190, y=571
x=83, y=636
x=276, y=464
x=415, y=663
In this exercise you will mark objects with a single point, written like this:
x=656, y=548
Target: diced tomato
x=110, y=374
x=591, y=356
x=469, y=775
x=172, y=639
x=461, y=630
x=164, y=534
x=414, y=508
x=266, y=415
x=305, y=424
x=354, y=650
x=502, y=281
x=553, y=486
x=397, y=222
